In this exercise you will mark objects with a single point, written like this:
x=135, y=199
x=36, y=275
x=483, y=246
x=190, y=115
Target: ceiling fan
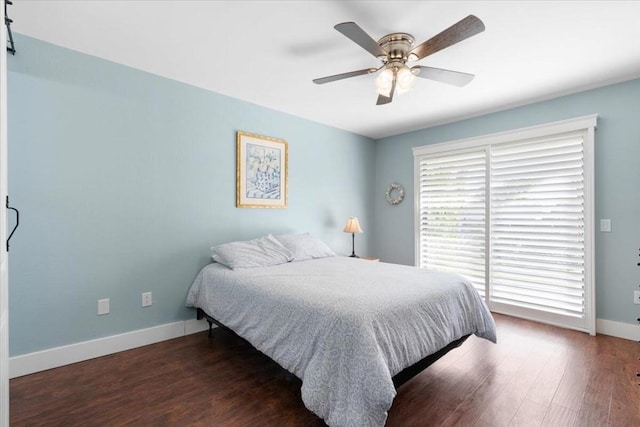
x=396, y=49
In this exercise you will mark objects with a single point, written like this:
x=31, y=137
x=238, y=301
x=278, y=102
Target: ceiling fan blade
x=359, y=37
x=387, y=99
x=455, y=78
x=462, y=30
x=341, y=76
x=383, y=100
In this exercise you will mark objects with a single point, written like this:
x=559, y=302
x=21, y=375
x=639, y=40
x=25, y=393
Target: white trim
x=590, y=230
x=59, y=356
x=193, y=326
x=618, y=329
x=4, y=261
x=416, y=210
x=578, y=123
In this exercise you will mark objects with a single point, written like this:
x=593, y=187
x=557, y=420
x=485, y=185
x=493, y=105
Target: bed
x=352, y=330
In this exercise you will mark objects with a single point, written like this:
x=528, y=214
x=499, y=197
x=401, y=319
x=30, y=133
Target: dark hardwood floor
x=536, y=375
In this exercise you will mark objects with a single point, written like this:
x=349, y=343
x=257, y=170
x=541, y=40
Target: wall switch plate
x=636, y=297
x=103, y=306
x=147, y=299
x=605, y=225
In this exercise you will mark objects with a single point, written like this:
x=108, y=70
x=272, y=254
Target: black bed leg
x=200, y=314
x=210, y=328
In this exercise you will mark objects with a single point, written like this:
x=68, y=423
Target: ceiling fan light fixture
x=384, y=81
x=395, y=50
x=405, y=79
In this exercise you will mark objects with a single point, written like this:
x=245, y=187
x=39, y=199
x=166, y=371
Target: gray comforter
x=344, y=326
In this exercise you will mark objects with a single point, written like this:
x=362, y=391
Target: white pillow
x=304, y=246
x=261, y=252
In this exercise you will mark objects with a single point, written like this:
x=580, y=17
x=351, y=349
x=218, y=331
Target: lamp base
x=353, y=246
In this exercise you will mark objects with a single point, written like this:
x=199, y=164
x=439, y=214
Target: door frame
x=4, y=269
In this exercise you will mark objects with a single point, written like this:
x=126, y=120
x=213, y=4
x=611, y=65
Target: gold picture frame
x=261, y=171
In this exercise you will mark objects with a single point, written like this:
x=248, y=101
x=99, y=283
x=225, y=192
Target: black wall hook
x=11, y=47
x=17, y=222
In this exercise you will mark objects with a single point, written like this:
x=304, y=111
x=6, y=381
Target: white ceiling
x=267, y=52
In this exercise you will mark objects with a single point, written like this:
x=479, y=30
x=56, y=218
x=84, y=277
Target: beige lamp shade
x=353, y=226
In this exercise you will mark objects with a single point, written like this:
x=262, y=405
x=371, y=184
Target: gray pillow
x=261, y=252
x=305, y=246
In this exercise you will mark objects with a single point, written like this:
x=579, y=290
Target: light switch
x=605, y=225
x=103, y=306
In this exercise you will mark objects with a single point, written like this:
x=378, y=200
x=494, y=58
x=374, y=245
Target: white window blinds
x=538, y=224
x=513, y=212
x=453, y=214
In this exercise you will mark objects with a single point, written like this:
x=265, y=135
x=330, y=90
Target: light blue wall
x=125, y=179
x=617, y=184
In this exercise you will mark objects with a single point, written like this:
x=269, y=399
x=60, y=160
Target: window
x=514, y=213
x=453, y=214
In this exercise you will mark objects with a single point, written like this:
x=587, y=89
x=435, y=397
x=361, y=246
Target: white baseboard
x=59, y=356
x=193, y=326
x=55, y=357
x=618, y=329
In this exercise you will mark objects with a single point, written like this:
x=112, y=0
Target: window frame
x=586, y=124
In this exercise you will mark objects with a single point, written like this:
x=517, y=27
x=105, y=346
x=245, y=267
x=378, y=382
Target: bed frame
x=399, y=379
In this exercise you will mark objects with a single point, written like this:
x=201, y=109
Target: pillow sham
x=261, y=252
x=304, y=246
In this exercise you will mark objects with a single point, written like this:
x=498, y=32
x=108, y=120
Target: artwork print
x=261, y=171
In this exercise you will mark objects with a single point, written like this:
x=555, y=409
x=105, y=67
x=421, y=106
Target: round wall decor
x=394, y=193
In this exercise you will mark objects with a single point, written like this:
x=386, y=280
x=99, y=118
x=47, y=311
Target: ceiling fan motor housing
x=397, y=47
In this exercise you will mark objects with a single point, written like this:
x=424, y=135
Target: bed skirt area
x=398, y=380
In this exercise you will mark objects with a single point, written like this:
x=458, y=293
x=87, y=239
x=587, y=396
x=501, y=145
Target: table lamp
x=353, y=227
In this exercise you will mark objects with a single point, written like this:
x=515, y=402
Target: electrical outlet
x=147, y=300
x=605, y=225
x=103, y=306
x=636, y=297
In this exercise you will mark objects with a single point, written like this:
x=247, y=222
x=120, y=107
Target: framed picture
x=261, y=172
